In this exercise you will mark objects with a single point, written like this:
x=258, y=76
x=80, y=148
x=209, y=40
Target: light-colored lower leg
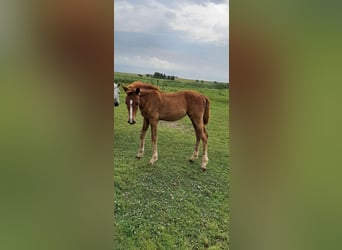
x=204, y=162
x=195, y=153
x=142, y=146
x=194, y=156
x=205, y=158
x=154, y=144
x=154, y=154
x=141, y=150
x=142, y=139
x=154, y=158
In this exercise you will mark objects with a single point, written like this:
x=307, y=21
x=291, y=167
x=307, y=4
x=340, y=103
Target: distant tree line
x=161, y=76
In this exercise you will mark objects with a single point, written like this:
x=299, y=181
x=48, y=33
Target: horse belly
x=172, y=115
x=173, y=107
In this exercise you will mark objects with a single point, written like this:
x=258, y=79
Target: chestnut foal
x=156, y=105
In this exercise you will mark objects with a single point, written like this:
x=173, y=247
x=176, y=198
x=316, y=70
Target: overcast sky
x=184, y=38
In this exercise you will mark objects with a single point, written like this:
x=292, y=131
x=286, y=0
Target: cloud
x=205, y=22
x=146, y=62
x=136, y=17
x=183, y=38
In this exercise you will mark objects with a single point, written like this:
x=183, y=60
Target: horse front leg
x=142, y=139
x=154, y=127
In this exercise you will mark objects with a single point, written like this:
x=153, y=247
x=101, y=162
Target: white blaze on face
x=130, y=111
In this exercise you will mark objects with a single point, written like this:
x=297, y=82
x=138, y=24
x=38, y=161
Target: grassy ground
x=172, y=204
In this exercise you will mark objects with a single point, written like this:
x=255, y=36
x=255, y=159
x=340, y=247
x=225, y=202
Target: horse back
x=175, y=105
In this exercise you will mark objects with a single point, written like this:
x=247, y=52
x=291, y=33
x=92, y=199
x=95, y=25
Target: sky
x=183, y=38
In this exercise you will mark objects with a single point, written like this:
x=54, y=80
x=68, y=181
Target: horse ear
x=137, y=91
x=125, y=88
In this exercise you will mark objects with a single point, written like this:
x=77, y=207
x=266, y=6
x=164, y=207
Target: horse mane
x=142, y=85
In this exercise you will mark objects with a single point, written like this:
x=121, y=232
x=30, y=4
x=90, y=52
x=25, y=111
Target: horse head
x=116, y=94
x=132, y=103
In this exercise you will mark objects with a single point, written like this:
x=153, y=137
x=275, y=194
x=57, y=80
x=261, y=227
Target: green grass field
x=127, y=78
x=172, y=204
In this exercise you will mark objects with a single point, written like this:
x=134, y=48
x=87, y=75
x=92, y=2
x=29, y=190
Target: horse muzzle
x=116, y=104
x=131, y=122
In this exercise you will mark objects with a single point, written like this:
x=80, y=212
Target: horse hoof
x=193, y=158
x=139, y=155
x=152, y=161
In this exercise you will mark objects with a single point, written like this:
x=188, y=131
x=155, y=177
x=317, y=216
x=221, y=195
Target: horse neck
x=149, y=96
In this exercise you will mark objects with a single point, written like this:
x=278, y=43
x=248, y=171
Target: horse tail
x=206, y=111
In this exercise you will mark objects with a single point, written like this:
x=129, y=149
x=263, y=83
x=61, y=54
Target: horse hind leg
x=194, y=155
x=154, y=136
x=201, y=134
x=205, y=149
